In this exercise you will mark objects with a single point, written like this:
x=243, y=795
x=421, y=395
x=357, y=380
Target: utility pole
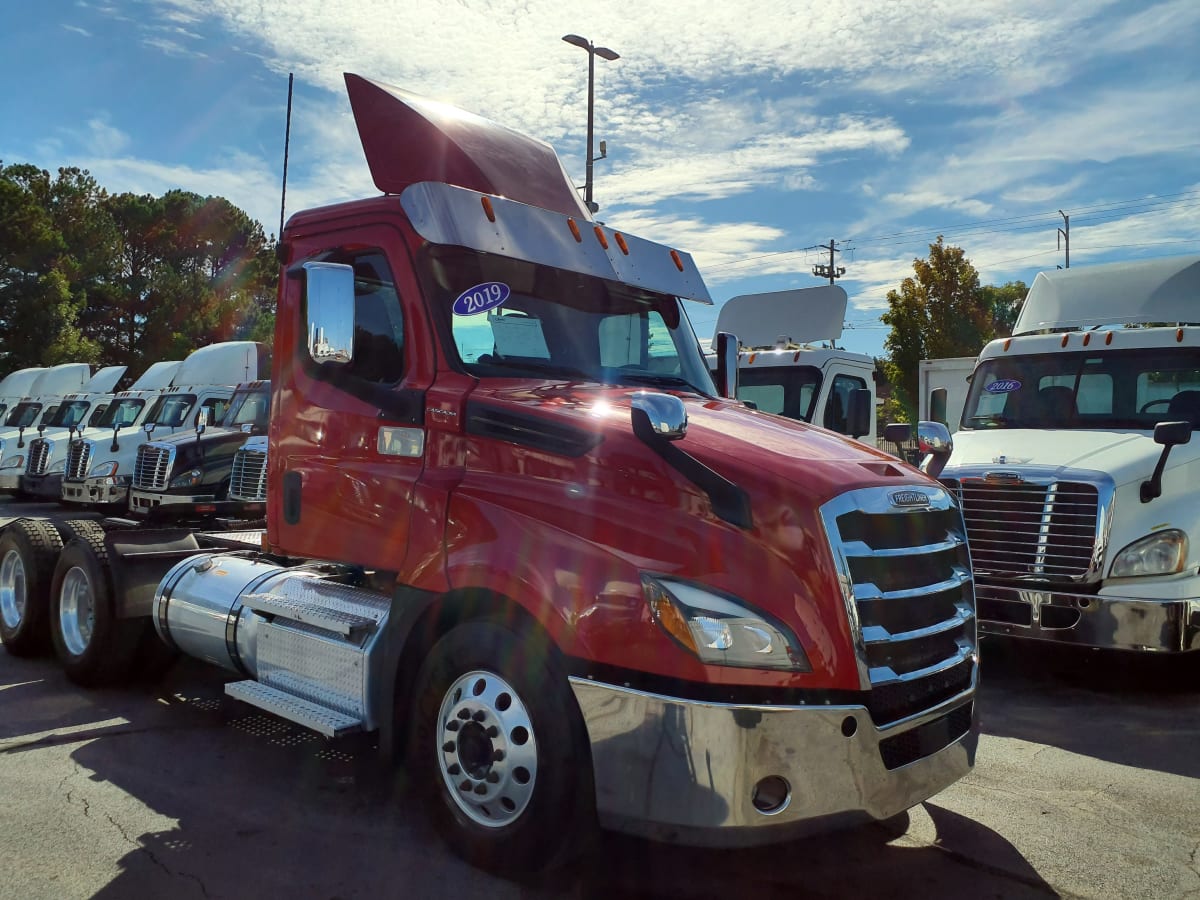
x=830, y=271
x=1063, y=238
x=604, y=53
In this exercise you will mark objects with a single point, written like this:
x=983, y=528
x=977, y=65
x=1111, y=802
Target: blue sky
x=743, y=132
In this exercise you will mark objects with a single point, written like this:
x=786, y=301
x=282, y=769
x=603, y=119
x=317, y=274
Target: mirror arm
x=1153, y=488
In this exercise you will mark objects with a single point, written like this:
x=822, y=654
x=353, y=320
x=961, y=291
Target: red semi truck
x=513, y=527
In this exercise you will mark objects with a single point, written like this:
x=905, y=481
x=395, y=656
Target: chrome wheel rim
x=12, y=589
x=76, y=611
x=486, y=749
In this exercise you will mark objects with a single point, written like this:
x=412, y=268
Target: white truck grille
x=39, y=457
x=248, y=479
x=78, y=458
x=152, y=470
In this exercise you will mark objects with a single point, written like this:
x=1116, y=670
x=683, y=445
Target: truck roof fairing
x=1152, y=290
x=802, y=315
x=409, y=139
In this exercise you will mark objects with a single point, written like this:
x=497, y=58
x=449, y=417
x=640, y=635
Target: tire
x=28, y=549
x=85, y=528
x=529, y=812
x=93, y=645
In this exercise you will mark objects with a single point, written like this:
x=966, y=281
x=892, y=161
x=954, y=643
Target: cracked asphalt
x=1087, y=785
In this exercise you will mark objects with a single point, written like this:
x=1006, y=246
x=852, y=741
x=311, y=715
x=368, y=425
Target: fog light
x=771, y=795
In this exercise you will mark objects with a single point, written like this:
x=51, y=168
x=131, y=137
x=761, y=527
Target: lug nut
x=493, y=778
x=453, y=725
x=497, y=756
x=464, y=714
x=479, y=716
x=481, y=789
x=453, y=769
x=465, y=786
x=448, y=747
x=493, y=731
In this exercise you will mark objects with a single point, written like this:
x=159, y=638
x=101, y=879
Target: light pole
x=592, y=51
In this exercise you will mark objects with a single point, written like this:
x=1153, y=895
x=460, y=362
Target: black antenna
x=287, y=139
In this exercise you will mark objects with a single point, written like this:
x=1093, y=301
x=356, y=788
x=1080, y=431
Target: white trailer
x=942, y=389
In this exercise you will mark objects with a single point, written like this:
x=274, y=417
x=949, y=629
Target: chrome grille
x=152, y=470
x=78, y=457
x=39, y=457
x=906, y=580
x=248, y=478
x=1041, y=530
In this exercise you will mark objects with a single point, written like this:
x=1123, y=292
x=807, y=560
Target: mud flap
x=139, y=560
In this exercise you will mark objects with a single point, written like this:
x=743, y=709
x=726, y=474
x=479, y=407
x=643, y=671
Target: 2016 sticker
x=481, y=298
x=1003, y=386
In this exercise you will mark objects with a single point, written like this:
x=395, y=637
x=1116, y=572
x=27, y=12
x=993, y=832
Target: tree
x=941, y=311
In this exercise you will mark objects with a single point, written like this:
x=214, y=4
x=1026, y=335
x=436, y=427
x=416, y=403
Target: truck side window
x=216, y=407
x=839, y=401
x=378, y=324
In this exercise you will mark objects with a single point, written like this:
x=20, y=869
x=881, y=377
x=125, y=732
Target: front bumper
x=10, y=480
x=1089, y=620
x=179, y=507
x=48, y=487
x=96, y=490
x=686, y=771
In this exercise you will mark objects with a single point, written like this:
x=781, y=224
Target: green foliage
x=86, y=276
x=940, y=311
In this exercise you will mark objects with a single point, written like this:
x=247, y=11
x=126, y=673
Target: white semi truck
x=783, y=369
x=1076, y=466
x=38, y=406
x=100, y=469
x=16, y=385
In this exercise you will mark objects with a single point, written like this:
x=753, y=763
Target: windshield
x=173, y=409
x=123, y=413
x=510, y=318
x=783, y=390
x=248, y=408
x=1116, y=389
x=69, y=414
x=23, y=415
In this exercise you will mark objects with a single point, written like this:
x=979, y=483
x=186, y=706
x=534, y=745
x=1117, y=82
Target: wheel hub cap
x=487, y=754
x=12, y=589
x=76, y=611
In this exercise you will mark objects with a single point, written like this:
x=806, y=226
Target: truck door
x=350, y=433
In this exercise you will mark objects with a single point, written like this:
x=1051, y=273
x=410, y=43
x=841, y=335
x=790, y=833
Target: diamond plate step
x=319, y=718
x=347, y=624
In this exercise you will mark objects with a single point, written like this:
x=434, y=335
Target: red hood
x=409, y=139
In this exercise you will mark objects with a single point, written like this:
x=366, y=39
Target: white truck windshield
x=1113, y=389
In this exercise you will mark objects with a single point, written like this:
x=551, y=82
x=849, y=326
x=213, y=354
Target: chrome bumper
x=687, y=771
x=95, y=490
x=10, y=480
x=1089, y=620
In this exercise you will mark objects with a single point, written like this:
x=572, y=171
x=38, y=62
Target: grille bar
x=39, y=457
x=78, y=457
x=248, y=477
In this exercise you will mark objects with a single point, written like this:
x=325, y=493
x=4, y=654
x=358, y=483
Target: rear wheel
x=93, y=644
x=27, y=552
x=500, y=751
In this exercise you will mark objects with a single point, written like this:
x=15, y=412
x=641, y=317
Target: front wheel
x=93, y=645
x=500, y=750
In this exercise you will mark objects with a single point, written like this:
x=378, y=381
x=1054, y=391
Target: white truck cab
x=1076, y=463
x=781, y=371
x=49, y=452
x=35, y=408
x=16, y=385
x=100, y=468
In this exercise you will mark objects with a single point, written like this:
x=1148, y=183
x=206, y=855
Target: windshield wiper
x=658, y=380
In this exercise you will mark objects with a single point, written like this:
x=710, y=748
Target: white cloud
x=78, y=30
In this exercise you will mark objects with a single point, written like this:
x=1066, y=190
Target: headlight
x=1162, y=553
x=13, y=462
x=721, y=631
x=55, y=468
x=104, y=469
x=188, y=479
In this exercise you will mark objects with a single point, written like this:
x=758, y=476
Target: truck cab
x=47, y=458
x=16, y=385
x=32, y=411
x=188, y=475
x=789, y=363
x=1076, y=463
x=101, y=468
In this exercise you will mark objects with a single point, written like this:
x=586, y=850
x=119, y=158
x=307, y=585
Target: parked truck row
x=515, y=528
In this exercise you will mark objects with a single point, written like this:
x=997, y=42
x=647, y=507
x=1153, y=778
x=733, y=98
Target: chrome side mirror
x=658, y=416
x=329, y=303
x=727, y=365
x=935, y=444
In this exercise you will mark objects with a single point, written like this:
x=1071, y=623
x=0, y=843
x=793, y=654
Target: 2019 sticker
x=481, y=298
x=1003, y=386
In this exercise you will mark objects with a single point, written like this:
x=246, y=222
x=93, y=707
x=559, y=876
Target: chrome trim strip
x=881, y=676
x=868, y=591
x=877, y=634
